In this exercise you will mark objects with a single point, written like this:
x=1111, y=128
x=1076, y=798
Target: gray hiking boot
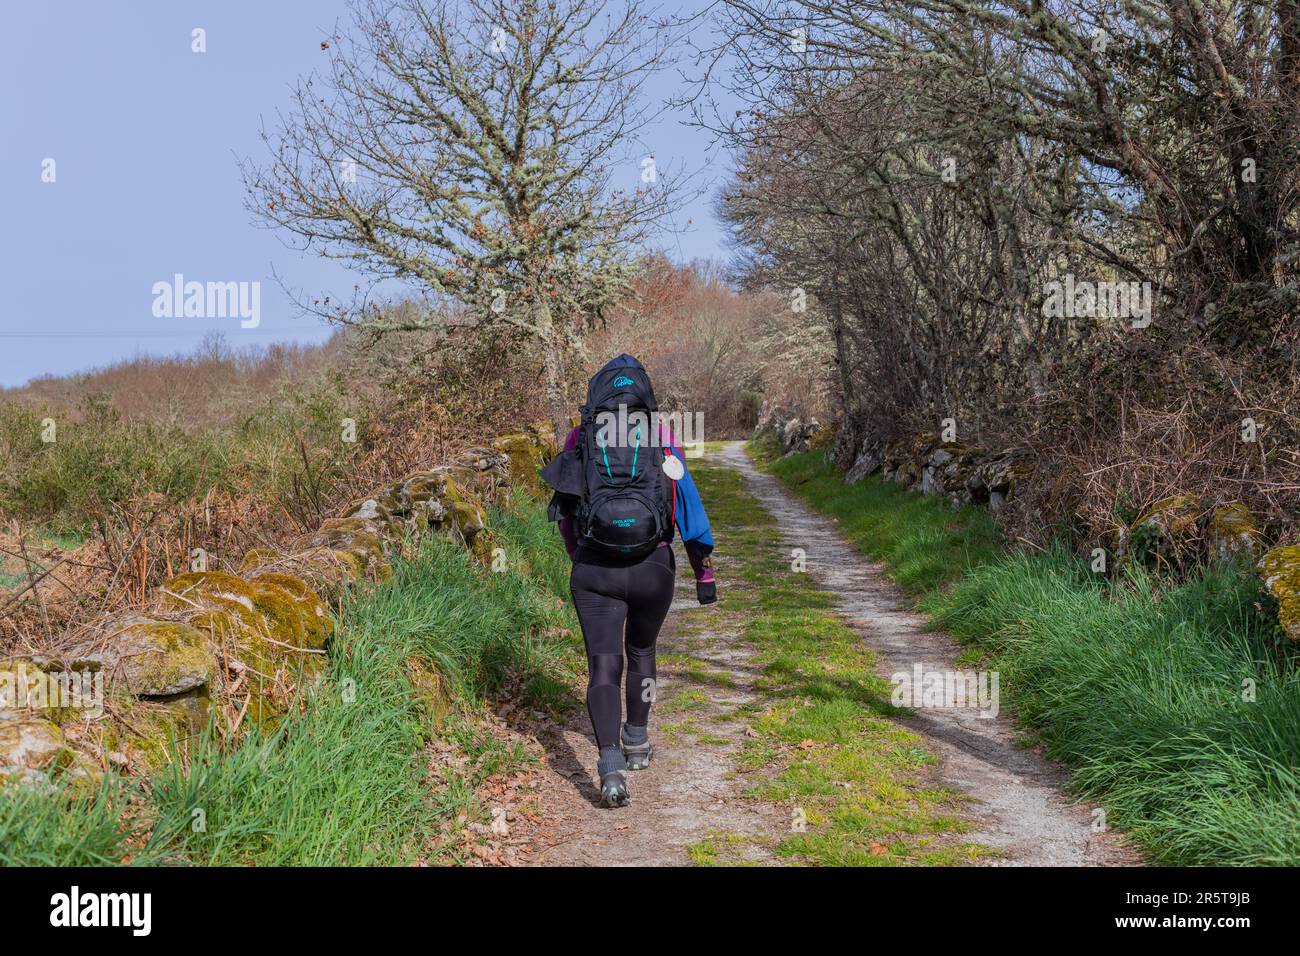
x=613, y=780
x=613, y=790
x=636, y=747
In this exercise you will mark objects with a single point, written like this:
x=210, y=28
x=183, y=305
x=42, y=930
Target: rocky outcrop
x=259, y=634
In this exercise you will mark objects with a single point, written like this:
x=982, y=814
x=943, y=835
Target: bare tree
x=467, y=147
x=1177, y=122
x=930, y=170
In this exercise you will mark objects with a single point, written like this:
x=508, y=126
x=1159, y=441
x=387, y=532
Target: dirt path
x=1016, y=794
x=691, y=800
x=690, y=790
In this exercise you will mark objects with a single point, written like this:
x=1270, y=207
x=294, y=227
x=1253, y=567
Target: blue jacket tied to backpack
x=607, y=485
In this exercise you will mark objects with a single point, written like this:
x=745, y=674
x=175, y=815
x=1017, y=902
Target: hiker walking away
x=621, y=490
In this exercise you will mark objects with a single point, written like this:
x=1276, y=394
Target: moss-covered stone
x=526, y=459
x=266, y=674
x=894, y=455
x=224, y=626
x=353, y=531
x=1000, y=474
x=149, y=656
x=308, y=610
x=275, y=606
x=82, y=774
x=543, y=433
x=329, y=572
x=358, y=537
x=270, y=630
x=1233, y=534
x=196, y=589
x=920, y=446
x=823, y=438
x=149, y=734
x=191, y=708
x=1166, y=535
x=467, y=521
x=944, y=454
x=429, y=689
x=32, y=749
x=1176, y=514
x=429, y=492
x=489, y=461
x=440, y=505
x=482, y=547
x=1280, y=569
x=962, y=465
x=38, y=685
x=385, y=511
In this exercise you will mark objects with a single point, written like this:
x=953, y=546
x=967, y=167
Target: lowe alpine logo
x=624, y=522
x=622, y=380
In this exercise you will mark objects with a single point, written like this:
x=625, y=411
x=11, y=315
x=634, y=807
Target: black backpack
x=612, y=484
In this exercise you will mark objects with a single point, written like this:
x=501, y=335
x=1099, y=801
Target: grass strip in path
x=858, y=786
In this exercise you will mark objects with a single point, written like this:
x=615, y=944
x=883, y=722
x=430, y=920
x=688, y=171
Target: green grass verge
x=1175, y=703
x=923, y=543
x=348, y=781
x=853, y=781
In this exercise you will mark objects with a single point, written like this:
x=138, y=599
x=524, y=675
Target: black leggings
x=607, y=595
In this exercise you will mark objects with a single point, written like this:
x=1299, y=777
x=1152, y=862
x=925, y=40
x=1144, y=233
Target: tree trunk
x=553, y=374
x=848, y=441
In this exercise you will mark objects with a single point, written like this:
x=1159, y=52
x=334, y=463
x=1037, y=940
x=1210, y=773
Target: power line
x=235, y=333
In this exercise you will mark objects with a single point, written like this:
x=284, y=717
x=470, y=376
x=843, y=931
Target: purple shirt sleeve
x=567, y=531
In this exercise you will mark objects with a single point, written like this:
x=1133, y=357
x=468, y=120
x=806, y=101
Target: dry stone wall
x=255, y=639
x=1176, y=533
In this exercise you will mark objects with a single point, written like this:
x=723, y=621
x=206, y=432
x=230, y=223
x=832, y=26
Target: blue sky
x=145, y=134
